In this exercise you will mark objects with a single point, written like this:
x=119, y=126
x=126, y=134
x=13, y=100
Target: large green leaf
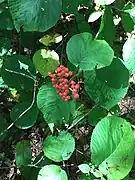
x=112, y=147
x=15, y=71
x=45, y=61
x=28, y=119
x=59, y=148
x=128, y=18
x=107, y=25
x=54, y=109
x=108, y=85
x=6, y=22
x=104, y=2
x=37, y=15
x=23, y=153
x=129, y=54
x=52, y=172
x=82, y=51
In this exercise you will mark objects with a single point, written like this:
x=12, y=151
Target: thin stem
x=19, y=73
x=25, y=111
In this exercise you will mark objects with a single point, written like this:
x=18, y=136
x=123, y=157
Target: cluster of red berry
x=63, y=82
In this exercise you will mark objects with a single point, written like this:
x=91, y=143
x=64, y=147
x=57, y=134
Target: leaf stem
x=25, y=111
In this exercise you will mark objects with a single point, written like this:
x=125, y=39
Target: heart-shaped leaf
x=82, y=51
x=59, y=148
x=45, y=61
x=112, y=147
x=18, y=72
x=103, y=85
x=51, y=172
x=28, y=119
x=23, y=153
x=37, y=15
x=129, y=54
x=54, y=109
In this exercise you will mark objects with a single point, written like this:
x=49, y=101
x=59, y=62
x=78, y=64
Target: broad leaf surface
x=103, y=85
x=128, y=18
x=37, y=15
x=82, y=51
x=54, y=109
x=23, y=153
x=28, y=119
x=59, y=148
x=112, y=145
x=52, y=172
x=6, y=21
x=107, y=25
x=22, y=66
x=45, y=61
x=129, y=54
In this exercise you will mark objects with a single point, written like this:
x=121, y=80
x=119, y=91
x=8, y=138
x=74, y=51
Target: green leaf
x=15, y=71
x=52, y=172
x=127, y=19
x=23, y=153
x=95, y=16
x=59, y=148
x=5, y=44
x=2, y=1
x=37, y=15
x=6, y=21
x=3, y=126
x=84, y=168
x=112, y=146
x=31, y=171
x=103, y=85
x=28, y=119
x=103, y=2
x=96, y=114
x=49, y=39
x=107, y=25
x=82, y=51
x=52, y=106
x=45, y=61
x=129, y=54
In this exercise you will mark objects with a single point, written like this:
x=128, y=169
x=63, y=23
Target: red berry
x=65, y=93
x=70, y=73
x=66, y=85
x=66, y=70
x=76, y=96
x=65, y=80
x=53, y=80
x=72, y=86
x=66, y=74
x=61, y=66
x=74, y=91
x=77, y=86
x=72, y=82
x=58, y=69
x=68, y=97
x=59, y=74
